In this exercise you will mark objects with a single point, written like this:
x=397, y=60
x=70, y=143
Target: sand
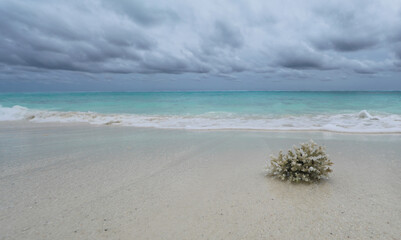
x=63, y=181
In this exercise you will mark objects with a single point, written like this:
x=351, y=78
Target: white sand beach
x=77, y=181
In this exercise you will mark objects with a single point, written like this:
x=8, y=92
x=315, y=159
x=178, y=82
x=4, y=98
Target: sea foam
x=359, y=122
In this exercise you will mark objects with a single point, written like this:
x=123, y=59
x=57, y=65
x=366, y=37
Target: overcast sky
x=129, y=45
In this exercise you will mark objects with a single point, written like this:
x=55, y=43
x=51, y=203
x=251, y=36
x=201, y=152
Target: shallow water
x=327, y=111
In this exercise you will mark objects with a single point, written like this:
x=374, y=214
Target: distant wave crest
x=359, y=122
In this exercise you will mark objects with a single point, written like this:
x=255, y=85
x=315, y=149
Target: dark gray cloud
x=297, y=59
x=226, y=35
x=39, y=37
x=300, y=62
x=349, y=27
x=205, y=38
x=346, y=43
x=304, y=57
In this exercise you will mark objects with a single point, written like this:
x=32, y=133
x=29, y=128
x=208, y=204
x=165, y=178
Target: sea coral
x=307, y=163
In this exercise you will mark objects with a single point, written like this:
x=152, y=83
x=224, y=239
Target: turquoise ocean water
x=329, y=111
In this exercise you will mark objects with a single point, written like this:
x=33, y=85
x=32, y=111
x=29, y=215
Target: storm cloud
x=212, y=38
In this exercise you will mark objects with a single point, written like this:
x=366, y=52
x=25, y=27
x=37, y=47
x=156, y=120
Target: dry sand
x=87, y=182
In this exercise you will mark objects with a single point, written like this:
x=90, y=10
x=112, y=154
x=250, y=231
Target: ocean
x=353, y=112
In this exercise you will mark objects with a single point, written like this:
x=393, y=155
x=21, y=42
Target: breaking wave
x=359, y=122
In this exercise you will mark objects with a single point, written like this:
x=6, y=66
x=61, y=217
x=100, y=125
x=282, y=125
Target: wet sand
x=73, y=181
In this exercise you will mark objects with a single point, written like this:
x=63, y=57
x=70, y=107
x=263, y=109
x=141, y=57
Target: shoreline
x=66, y=124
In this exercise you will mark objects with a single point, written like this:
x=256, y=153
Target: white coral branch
x=307, y=163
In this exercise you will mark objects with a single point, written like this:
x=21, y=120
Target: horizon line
x=193, y=91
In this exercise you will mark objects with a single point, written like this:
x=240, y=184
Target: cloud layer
x=216, y=38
